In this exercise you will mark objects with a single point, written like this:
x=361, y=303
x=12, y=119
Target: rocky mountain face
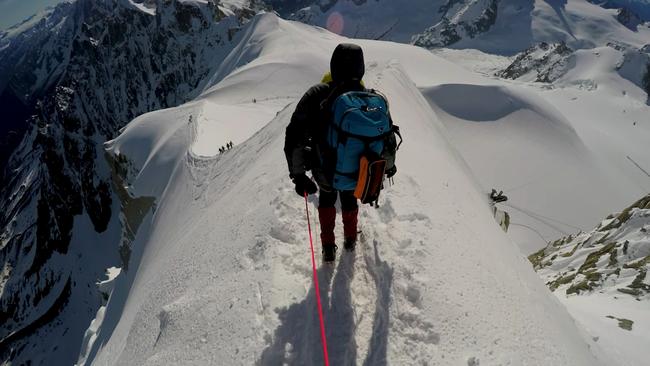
x=444, y=22
x=613, y=258
x=547, y=63
x=542, y=63
x=24, y=75
x=639, y=8
x=601, y=276
x=460, y=20
x=635, y=66
x=628, y=18
x=504, y=27
x=80, y=74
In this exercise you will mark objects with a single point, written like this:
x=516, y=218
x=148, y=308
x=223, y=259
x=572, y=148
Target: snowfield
x=567, y=153
x=220, y=269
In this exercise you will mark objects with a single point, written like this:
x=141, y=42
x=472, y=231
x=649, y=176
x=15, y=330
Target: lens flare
x=335, y=23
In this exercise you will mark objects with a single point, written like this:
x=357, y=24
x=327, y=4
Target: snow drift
x=516, y=141
x=220, y=272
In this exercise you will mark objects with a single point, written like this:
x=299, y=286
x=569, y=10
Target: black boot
x=349, y=244
x=329, y=252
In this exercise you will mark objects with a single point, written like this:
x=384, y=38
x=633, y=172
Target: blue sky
x=14, y=11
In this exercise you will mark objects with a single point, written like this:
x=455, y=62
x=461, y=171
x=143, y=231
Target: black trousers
x=328, y=199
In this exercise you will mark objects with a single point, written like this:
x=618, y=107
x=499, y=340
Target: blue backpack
x=361, y=128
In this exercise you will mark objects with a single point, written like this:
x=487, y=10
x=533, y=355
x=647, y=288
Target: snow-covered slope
x=495, y=26
x=556, y=145
x=220, y=270
x=549, y=63
x=601, y=276
x=511, y=26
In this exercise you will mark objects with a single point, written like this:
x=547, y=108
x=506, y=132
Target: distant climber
x=502, y=217
x=498, y=197
x=343, y=133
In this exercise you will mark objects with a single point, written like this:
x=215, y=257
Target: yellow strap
x=327, y=78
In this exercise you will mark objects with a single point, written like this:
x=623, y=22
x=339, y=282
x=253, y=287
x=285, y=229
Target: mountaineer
x=344, y=134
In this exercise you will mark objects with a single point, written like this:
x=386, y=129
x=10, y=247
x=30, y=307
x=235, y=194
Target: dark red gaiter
x=350, y=224
x=327, y=218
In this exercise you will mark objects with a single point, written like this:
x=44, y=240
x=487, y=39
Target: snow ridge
x=428, y=283
x=210, y=244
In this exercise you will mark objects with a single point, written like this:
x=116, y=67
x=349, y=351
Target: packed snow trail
x=221, y=271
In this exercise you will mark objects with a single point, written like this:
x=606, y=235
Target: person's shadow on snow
x=297, y=340
x=382, y=274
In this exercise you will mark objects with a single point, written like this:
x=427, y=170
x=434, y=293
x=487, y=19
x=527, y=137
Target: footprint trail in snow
x=363, y=294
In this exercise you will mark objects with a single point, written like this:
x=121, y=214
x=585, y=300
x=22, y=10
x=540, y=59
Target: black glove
x=304, y=184
x=390, y=172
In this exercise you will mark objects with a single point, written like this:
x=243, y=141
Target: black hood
x=347, y=63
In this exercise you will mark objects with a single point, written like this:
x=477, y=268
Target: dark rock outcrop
x=542, y=63
x=459, y=22
x=628, y=18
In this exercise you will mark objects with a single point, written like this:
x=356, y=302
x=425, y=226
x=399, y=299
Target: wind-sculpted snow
x=492, y=103
x=573, y=138
x=223, y=273
x=526, y=147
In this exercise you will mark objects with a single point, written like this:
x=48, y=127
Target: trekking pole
x=318, y=301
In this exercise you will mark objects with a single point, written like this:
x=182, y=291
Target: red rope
x=318, y=301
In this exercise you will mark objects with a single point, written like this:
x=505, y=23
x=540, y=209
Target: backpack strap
x=336, y=88
x=364, y=139
x=395, y=129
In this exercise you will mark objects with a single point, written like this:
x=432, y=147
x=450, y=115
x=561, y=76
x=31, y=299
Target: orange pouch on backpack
x=371, y=179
